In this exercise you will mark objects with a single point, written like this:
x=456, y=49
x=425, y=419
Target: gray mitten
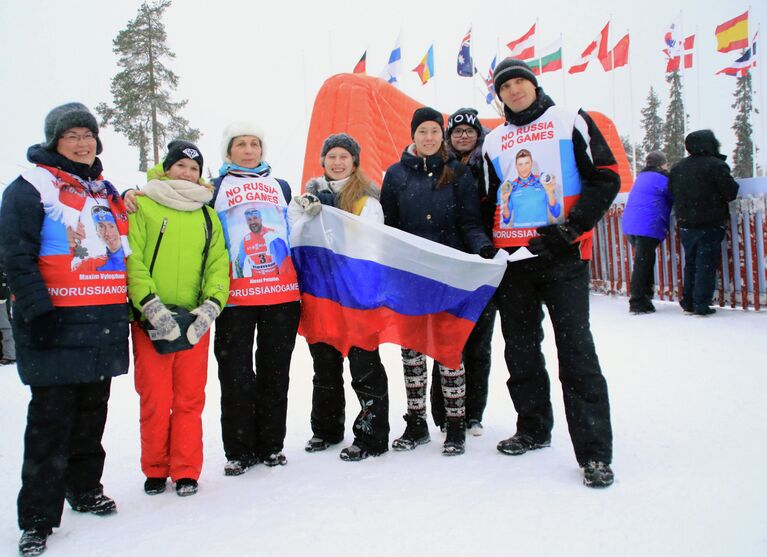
x=309, y=203
x=206, y=315
x=161, y=319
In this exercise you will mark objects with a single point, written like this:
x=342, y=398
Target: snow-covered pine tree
x=673, y=129
x=142, y=109
x=652, y=125
x=626, y=141
x=743, y=156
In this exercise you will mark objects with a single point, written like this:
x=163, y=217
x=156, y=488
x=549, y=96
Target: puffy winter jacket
x=91, y=342
x=176, y=277
x=649, y=205
x=448, y=215
x=701, y=183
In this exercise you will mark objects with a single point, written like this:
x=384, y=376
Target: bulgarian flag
x=732, y=34
x=550, y=62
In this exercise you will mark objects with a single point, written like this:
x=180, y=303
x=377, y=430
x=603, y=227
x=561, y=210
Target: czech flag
x=425, y=69
x=364, y=284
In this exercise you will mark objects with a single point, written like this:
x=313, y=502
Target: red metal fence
x=741, y=278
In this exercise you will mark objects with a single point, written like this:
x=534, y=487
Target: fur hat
x=236, y=129
x=68, y=116
x=180, y=149
x=425, y=114
x=463, y=116
x=510, y=68
x=344, y=141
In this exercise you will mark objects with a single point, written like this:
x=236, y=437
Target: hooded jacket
x=701, y=183
x=448, y=215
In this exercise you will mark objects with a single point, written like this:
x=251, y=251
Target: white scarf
x=178, y=194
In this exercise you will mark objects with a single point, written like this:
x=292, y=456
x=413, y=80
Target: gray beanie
x=656, y=159
x=345, y=141
x=68, y=116
x=510, y=68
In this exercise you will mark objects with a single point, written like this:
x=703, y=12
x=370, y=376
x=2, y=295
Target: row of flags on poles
x=732, y=35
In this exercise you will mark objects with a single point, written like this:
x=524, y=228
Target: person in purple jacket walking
x=645, y=221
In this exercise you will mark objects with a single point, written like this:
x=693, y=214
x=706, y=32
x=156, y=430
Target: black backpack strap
x=206, y=249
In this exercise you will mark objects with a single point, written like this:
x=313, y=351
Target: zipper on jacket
x=157, y=245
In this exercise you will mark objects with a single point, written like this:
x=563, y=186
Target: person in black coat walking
x=430, y=194
x=702, y=187
x=65, y=312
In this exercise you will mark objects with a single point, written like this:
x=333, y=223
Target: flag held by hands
x=364, y=284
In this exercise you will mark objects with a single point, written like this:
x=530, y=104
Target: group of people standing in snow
x=187, y=254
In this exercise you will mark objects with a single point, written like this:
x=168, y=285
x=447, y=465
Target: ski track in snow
x=689, y=422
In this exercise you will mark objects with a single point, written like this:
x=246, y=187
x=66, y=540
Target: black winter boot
x=33, y=541
x=416, y=433
x=186, y=487
x=520, y=443
x=154, y=486
x=94, y=502
x=597, y=474
x=455, y=440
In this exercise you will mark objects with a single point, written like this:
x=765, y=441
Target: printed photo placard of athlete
x=253, y=214
x=539, y=178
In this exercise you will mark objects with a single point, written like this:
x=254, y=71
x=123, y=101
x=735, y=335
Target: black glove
x=553, y=240
x=487, y=252
x=326, y=197
x=43, y=329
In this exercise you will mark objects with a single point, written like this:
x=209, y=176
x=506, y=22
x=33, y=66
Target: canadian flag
x=596, y=48
x=674, y=56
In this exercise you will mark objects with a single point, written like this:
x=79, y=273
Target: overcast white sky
x=266, y=61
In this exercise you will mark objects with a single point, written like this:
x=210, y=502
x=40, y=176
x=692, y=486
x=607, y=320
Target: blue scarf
x=263, y=169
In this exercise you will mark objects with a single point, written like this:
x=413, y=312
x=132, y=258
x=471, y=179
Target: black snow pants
x=562, y=285
x=62, y=449
x=369, y=381
x=254, y=406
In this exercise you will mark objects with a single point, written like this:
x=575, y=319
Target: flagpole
x=631, y=117
x=612, y=64
x=473, y=67
x=564, y=75
x=761, y=110
x=694, y=55
x=681, y=76
x=537, y=53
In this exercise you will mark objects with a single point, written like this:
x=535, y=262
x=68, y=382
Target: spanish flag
x=732, y=34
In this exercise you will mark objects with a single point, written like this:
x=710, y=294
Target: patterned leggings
x=416, y=374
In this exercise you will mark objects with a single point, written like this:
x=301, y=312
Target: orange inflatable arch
x=378, y=114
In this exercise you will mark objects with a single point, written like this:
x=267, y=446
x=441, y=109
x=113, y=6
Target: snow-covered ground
x=690, y=422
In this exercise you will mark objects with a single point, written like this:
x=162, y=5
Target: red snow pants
x=172, y=392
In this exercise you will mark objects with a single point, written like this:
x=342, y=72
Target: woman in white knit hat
x=263, y=301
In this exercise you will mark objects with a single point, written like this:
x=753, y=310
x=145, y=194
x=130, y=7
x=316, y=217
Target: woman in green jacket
x=178, y=260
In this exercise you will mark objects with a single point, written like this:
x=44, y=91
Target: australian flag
x=465, y=63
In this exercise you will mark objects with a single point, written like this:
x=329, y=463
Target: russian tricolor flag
x=364, y=284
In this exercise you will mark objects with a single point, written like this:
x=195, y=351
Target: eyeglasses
x=466, y=132
x=74, y=137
